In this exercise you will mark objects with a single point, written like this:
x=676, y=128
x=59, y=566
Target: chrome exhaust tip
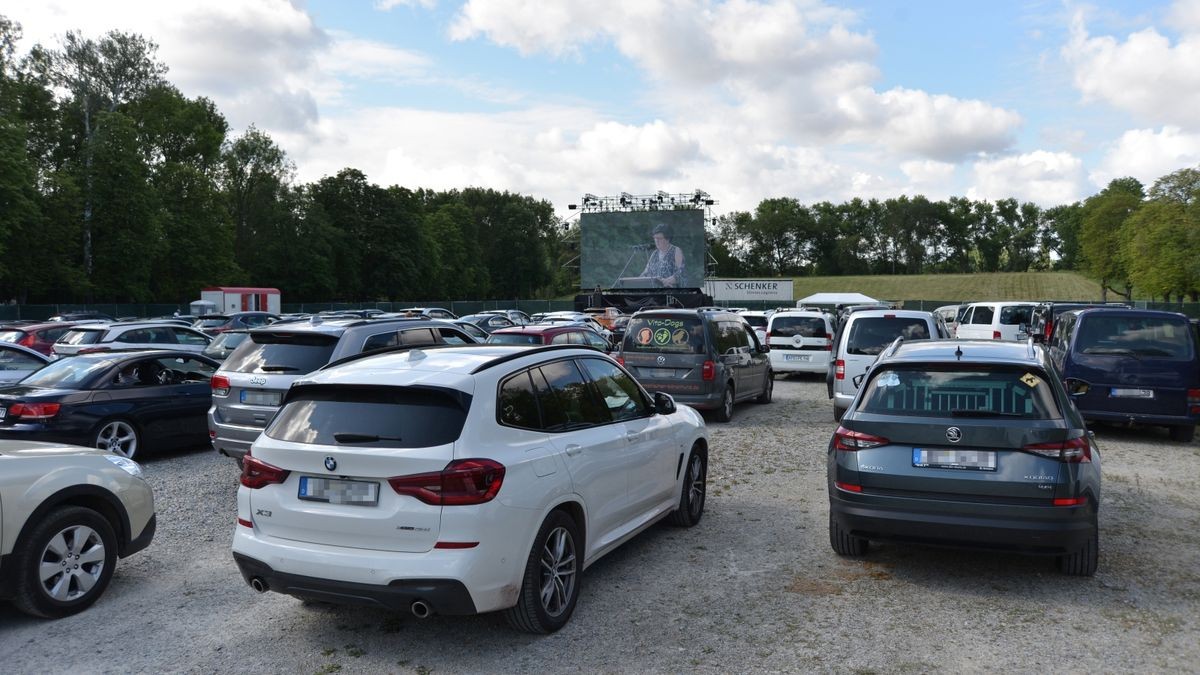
x=259, y=585
x=420, y=609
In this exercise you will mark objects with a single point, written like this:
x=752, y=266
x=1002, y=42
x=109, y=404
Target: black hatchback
x=965, y=443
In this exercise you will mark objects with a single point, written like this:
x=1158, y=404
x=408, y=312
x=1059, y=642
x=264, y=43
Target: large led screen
x=642, y=249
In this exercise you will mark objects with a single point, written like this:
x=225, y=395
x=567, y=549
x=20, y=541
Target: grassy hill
x=955, y=287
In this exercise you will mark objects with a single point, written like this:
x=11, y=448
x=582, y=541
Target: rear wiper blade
x=362, y=438
x=982, y=413
x=277, y=369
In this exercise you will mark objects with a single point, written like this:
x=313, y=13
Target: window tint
x=225, y=342
x=871, y=335
x=213, y=322
x=561, y=339
x=974, y=391
x=1014, y=315
x=418, y=337
x=729, y=337
x=11, y=335
x=11, y=359
x=296, y=353
x=514, y=339
x=381, y=341
x=569, y=400
x=141, y=336
x=804, y=326
x=455, y=337
x=683, y=335
x=595, y=341
x=371, y=417
x=518, y=404
x=187, y=337
x=620, y=393
x=982, y=315
x=255, y=320
x=1137, y=336
x=68, y=372
x=755, y=320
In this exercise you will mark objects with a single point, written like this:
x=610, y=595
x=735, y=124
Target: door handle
x=573, y=449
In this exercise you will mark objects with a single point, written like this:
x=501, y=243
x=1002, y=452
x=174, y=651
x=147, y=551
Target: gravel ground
x=754, y=587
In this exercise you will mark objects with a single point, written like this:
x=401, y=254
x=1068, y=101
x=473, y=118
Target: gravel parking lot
x=754, y=587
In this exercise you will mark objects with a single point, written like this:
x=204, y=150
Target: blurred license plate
x=3, y=413
x=260, y=397
x=797, y=357
x=1132, y=393
x=662, y=373
x=336, y=491
x=971, y=460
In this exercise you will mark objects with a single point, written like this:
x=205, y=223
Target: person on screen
x=666, y=263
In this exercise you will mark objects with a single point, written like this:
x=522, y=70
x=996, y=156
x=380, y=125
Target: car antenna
x=958, y=352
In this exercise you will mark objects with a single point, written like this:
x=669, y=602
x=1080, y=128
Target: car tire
x=838, y=413
x=843, y=543
x=725, y=412
x=81, y=543
x=1183, y=433
x=768, y=389
x=559, y=546
x=120, y=437
x=695, y=488
x=1082, y=563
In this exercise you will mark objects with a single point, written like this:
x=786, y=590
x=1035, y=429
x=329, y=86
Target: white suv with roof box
x=801, y=341
x=864, y=335
x=464, y=480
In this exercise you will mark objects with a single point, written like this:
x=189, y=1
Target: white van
x=996, y=321
x=867, y=333
x=801, y=341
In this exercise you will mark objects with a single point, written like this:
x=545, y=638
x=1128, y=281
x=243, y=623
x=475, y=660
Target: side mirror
x=857, y=379
x=663, y=403
x=764, y=349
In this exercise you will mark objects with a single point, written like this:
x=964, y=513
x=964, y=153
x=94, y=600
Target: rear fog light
x=848, y=487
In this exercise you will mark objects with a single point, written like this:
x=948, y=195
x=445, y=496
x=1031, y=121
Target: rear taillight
x=257, y=473
x=708, y=371
x=1193, y=398
x=828, y=345
x=839, y=369
x=28, y=341
x=1047, y=329
x=34, y=411
x=462, y=482
x=995, y=335
x=850, y=441
x=220, y=385
x=620, y=360
x=1073, y=450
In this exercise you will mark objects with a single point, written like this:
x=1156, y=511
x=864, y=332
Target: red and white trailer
x=242, y=299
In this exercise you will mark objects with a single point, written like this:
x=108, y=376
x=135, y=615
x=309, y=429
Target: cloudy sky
x=1042, y=100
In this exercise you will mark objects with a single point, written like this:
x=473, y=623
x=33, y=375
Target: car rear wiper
x=277, y=369
x=362, y=438
x=982, y=413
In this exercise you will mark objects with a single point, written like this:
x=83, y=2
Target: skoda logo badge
x=330, y=463
x=661, y=360
x=953, y=434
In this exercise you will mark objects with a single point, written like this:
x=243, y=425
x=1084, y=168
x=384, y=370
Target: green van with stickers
x=707, y=359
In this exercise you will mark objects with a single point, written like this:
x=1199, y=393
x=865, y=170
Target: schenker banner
x=773, y=290
x=642, y=249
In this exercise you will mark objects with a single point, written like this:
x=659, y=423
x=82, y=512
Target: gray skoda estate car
x=965, y=443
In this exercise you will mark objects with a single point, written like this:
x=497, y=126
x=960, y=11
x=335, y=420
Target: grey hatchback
x=966, y=443
x=706, y=359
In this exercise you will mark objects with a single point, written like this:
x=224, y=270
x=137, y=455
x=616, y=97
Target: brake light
x=995, y=335
x=257, y=473
x=28, y=341
x=620, y=360
x=1074, y=450
x=839, y=369
x=708, y=371
x=34, y=411
x=463, y=482
x=220, y=385
x=850, y=441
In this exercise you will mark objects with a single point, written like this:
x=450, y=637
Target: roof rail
x=1032, y=349
x=895, y=345
x=500, y=360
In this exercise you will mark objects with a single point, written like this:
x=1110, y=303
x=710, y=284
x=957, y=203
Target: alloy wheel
x=696, y=486
x=558, y=571
x=71, y=563
x=118, y=438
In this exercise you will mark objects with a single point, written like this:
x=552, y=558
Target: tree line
x=115, y=187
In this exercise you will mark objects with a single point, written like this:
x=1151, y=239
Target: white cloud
x=1148, y=155
x=1045, y=178
x=1145, y=74
x=387, y=5
x=929, y=177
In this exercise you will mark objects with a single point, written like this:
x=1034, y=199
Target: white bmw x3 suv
x=463, y=480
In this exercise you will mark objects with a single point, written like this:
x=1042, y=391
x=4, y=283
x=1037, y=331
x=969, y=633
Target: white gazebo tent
x=836, y=299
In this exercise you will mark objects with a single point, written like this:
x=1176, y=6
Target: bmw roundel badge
x=331, y=463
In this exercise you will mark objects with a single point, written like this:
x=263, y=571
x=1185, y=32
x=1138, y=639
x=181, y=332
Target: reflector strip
x=1072, y=501
x=456, y=544
x=245, y=523
x=848, y=487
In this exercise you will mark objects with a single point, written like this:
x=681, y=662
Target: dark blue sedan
x=125, y=402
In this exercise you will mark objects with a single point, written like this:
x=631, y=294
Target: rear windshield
x=870, y=336
x=514, y=339
x=1016, y=315
x=804, y=326
x=80, y=337
x=1136, y=336
x=213, y=322
x=682, y=335
x=11, y=335
x=372, y=417
x=68, y=372
x=225, y=342
x=281, y=353
x=756, y=321
x=967, y=391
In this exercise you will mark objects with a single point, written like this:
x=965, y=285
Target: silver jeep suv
x=248, y=388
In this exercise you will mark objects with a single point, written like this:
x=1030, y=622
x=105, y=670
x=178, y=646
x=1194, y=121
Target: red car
x=40, y=337
x=549, y=335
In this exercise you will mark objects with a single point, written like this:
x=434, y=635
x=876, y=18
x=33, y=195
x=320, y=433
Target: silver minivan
x=867, y=333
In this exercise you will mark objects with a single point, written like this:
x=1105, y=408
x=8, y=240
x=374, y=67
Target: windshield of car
x=80, y=337
x=756, y=321
x=871, y=335
x=1138, y=336
x=68, y=372
x=11, y=335
x=372, y=417
x=514, y=339
x=296, y=353
x=1015, y=315
x=969, y=390
x=681, y=335
x=804, y=326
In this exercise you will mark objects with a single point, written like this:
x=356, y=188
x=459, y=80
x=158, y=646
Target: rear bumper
x=1141, y=418
x=1045, y=530
x=231, y=440
x=444, y=596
